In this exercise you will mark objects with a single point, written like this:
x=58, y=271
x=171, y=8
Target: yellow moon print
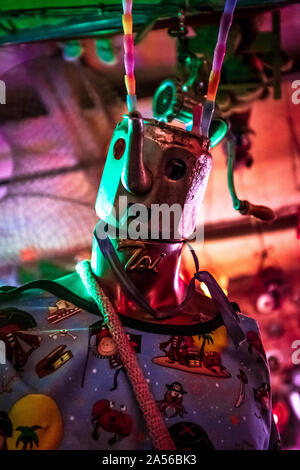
x=215, y=341
x=37, y=424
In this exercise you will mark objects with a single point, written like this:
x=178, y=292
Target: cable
x=244, y=207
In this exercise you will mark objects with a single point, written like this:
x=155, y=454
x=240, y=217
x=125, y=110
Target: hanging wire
x=244, y=207
x=128, y=42
x=230, y=162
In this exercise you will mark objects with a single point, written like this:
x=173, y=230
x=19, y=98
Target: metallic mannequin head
x=153, y=163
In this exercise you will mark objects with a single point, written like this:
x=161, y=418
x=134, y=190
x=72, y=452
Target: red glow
x=281, y=414
x=28, y=255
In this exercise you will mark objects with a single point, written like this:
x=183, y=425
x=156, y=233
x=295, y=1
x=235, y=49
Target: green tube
x=230, y=179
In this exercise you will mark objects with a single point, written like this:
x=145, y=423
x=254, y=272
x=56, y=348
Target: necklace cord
x=156, y=425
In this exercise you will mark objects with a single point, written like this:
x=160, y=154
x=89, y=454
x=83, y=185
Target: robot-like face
x=150, y=163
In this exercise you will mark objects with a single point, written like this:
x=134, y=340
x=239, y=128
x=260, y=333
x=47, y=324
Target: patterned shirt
x=64, y=386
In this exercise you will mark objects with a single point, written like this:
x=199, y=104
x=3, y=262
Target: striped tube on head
x=219, y=53
x=128, y=42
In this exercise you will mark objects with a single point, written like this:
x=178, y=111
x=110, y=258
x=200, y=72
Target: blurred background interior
x=62, y=64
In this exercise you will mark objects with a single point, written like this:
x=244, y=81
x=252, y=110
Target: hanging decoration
x=244, y=207
x=214, y=78
x=128, y=42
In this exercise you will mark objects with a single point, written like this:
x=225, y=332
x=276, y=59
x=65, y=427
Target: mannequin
x=153, y=265
x=194, y=346
x=190, y=353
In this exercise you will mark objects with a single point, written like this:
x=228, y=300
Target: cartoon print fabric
x=19, y=342
x=188, y=353
x=64, y=385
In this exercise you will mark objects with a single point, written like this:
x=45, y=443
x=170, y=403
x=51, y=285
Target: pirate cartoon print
x=15, y=332
x=172, y=403
x=198, y=354
x=103, y=346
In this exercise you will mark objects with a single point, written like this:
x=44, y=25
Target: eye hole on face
x=175, y=169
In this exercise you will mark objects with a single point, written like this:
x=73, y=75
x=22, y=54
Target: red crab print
x=212, y=359
x=105, y=417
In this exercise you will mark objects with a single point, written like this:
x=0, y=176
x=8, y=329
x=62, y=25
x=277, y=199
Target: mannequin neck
x=152, y=266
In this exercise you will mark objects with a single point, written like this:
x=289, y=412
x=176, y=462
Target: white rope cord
x=157, y=428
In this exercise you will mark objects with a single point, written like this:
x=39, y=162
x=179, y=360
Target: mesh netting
x=54, y=133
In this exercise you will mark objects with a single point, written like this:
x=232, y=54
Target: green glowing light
x=105, y=51
x=72, y=50
x=112, y=173
x=217, y=131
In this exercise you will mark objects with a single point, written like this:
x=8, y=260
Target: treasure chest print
x=53, y=361
x=199, y=354
x=19, y=342
x=104, y=347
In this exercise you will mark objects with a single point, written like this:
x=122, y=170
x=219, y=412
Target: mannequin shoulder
x=73, y=283
x=201, y=304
